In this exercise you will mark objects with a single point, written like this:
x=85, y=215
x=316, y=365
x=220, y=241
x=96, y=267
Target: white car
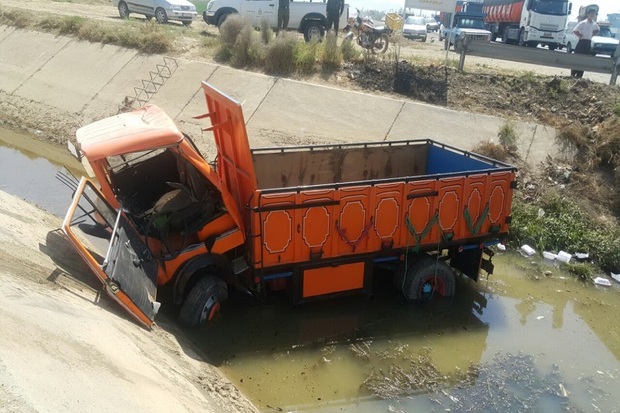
x=415, y=28
x=604, y=43
x=162, y=10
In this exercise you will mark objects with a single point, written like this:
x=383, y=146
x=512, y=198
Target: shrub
x=332, y=58
x=280, y=55
x=492, y=150
x=242, y=51
x=232, y=27
x=16, y=17
x=70, y=24
x=616, y=109
x=305, y=55
x=266, y=34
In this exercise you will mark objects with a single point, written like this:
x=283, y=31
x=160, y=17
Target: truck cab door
x=258, y=10
x=114, y=251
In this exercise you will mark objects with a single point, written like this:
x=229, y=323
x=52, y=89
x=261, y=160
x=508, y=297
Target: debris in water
x=582, y=256
x=501, y=247
x=615, y=277
x=602, y=281
x=564, y=257
x=527, y=250
x=549, y=255
x=540, y=317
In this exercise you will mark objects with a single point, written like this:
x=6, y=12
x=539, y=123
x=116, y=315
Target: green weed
x=305, y=55
x=508, y=137
x=332, y=57
x=349, y=50
x=563, y=226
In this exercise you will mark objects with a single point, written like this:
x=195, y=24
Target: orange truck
x=311, y=221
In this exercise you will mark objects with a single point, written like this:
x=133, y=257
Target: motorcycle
x=375, y=40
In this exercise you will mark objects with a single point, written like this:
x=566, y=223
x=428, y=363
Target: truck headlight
x=175, y=7
x=209, y=5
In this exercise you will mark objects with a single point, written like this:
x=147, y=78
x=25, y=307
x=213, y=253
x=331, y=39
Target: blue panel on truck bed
x=445, y=161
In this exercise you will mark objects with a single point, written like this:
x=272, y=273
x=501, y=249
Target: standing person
x=584, y=30
x=334, y=11
x=283, y=14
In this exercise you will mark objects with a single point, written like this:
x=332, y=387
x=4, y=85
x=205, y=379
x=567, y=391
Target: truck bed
x=327, y=202
x=328, y=212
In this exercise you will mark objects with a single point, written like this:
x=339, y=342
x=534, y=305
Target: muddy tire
x=123, y=10
x=569, y=48
x=161, y=16
x=425, y=278
x=203, y=302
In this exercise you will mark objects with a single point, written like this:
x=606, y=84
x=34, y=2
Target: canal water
x=529, y=339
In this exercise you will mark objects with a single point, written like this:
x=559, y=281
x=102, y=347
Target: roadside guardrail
x=542, y=57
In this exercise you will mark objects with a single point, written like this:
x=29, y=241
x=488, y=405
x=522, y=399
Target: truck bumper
x=208, y=17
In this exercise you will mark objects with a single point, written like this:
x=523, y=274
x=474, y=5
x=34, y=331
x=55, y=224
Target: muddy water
x=28, y=168
x=521, y=341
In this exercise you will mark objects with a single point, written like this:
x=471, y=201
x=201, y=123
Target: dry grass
x=280, y=55
x=493, y=151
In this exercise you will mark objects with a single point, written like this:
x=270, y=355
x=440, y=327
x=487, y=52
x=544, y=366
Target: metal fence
x=543, y=57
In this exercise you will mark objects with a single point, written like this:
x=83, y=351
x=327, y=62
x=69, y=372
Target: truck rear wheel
x=423, y=278
x=123, y=10
x=203, y=301
x=313, y=30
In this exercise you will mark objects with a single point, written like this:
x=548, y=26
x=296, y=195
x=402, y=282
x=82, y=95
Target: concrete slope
x=90, y=81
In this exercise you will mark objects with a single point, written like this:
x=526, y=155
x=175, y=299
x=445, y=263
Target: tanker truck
x=528, y=22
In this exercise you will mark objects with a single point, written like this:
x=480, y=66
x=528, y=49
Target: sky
x=605, y=6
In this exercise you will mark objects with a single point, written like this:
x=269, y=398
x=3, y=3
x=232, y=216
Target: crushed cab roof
x=142, y=129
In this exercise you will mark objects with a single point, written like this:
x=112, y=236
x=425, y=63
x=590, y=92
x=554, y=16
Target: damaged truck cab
x=312, y=221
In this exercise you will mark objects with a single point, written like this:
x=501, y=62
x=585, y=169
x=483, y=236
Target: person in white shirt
x=584, y=30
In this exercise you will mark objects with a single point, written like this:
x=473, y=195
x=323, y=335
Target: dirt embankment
x=66, y=347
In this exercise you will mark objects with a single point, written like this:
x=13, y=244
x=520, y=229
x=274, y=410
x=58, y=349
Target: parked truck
x=311, y=221
x=466, y=26
x=528, y=22
x=307, y=17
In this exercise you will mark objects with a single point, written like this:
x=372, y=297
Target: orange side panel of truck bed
x=326, y=280
x=294, y=227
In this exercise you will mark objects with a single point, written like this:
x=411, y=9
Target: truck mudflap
x=470, y=261
x=114, y=251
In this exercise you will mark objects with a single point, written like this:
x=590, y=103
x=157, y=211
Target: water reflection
x=28, y=169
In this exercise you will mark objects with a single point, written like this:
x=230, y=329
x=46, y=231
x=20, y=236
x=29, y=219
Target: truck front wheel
x=203, y=301
x=424, y=278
